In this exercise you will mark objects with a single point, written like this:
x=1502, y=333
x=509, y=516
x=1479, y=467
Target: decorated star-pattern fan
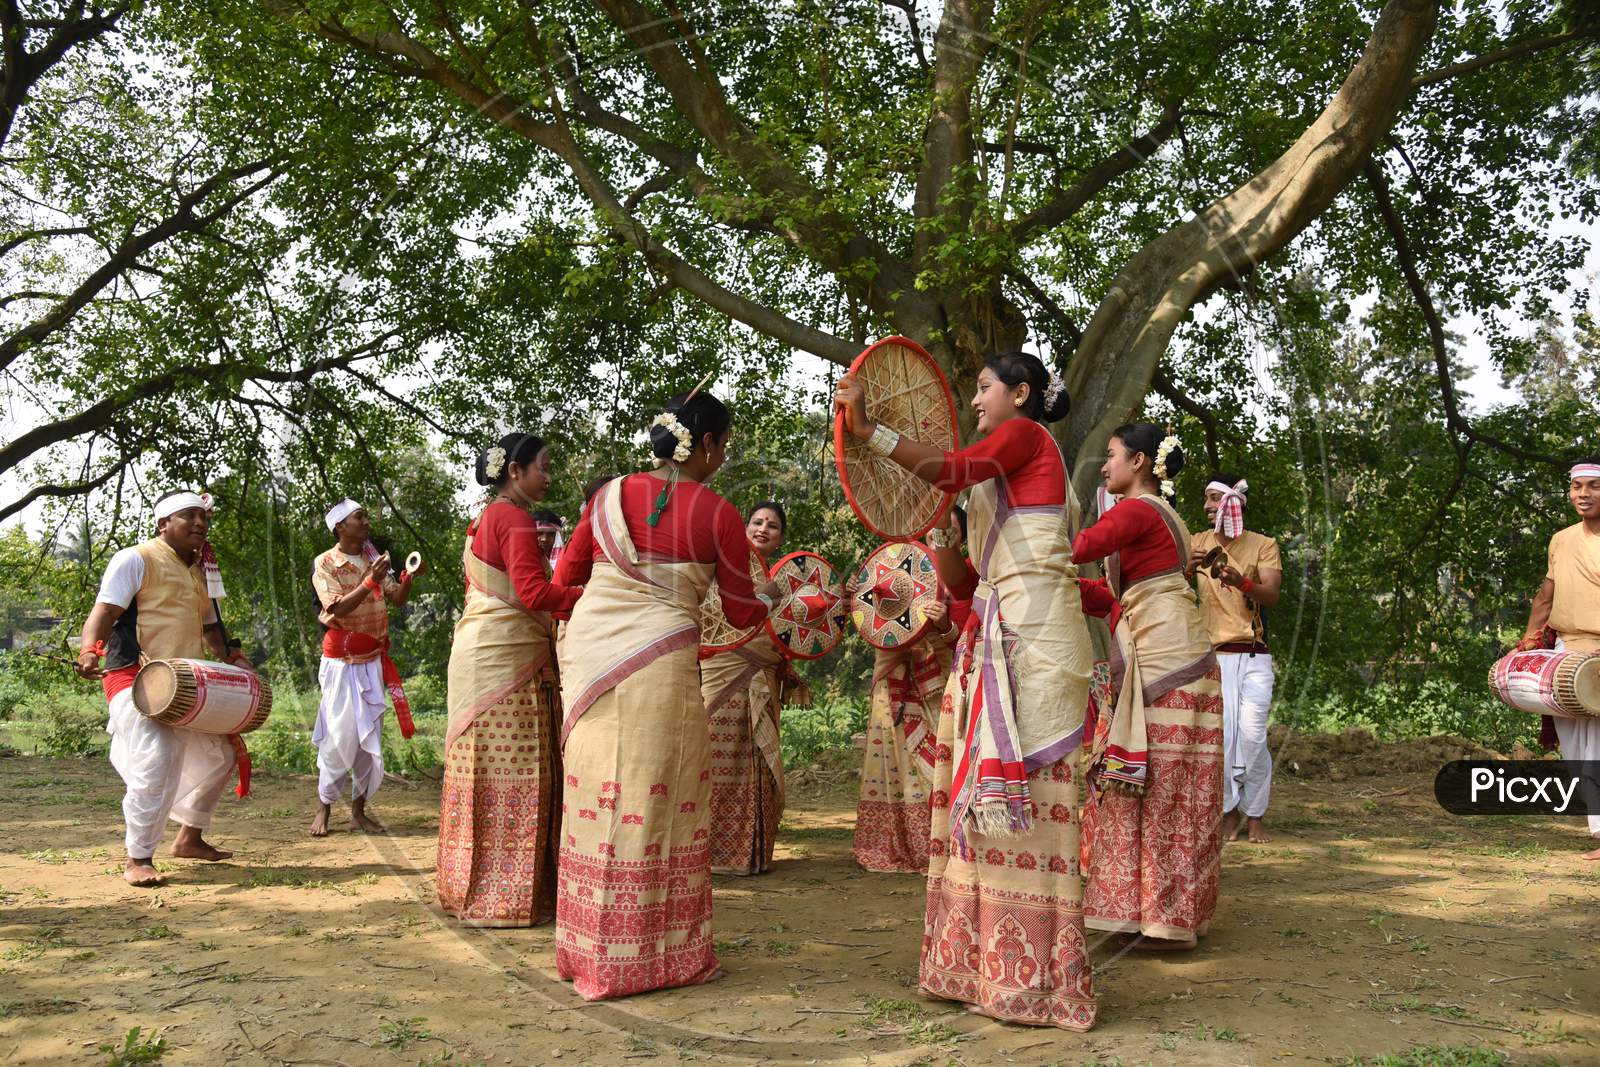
x=717, y=634
x=893, y=590
x=811, y=618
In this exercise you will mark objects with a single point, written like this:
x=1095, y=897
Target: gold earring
x=1018, y=402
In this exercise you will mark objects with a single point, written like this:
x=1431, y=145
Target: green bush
x=426, y=694
x=808, y=732
x=71, y=731
x=1398, y=711
x=13, y=691
x=282, y=745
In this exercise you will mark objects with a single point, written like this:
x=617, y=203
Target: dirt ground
x=1372, y=924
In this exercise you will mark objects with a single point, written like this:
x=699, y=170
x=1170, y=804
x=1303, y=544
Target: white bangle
x=765, y=599
x=883, y=440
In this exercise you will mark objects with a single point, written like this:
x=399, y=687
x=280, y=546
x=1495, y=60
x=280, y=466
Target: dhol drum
x=1546, y=682
x=213, y=698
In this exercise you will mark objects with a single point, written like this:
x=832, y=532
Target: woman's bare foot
x=190, y=846
x=1161, y=944
x=319, y=822
x=1258, y=831
x=360, y=820
x=142, y=874
x=1230, y=826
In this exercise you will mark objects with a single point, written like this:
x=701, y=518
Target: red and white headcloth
x=1230, y=512
x=542, y=526
x=1585, y=470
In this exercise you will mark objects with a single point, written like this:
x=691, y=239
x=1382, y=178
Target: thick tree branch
x=183, y=219
x=101, y=415
x=1067, y=202
x=1053, y=311
x=1168, y=389
x=1516, y=50
x=959, y=49
x=556, y=137
x=1126, y=339
x=20, y=69
x=60, y=491
x=1455, y=422
x=909, y=7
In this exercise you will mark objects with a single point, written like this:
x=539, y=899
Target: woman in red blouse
x=633, y=903
x=1151, y=830
x=496, y=814
x=1003, y=848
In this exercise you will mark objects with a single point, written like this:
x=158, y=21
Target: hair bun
x=1174, y=461
x=663, y=442
x=1058, y=409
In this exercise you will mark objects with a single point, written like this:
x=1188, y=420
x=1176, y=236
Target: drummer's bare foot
x=1258, y=831
x=142, y=874
x=190, y=846
x=1230, y=826
x=319, y=823
x=360, y=820
x=1595, y=855
x=1161, y=944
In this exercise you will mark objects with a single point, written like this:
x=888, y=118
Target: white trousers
x=349, y=731
x=168, y=771
x=1247, y=761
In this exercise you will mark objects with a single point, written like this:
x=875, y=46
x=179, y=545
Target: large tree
x=824, y=172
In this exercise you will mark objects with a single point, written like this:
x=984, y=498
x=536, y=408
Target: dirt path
x=1372, y=924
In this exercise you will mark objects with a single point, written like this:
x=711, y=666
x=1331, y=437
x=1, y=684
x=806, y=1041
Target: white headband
x=340, y=512
x=173, y=503
x=1585, y=470
x=1237, y=489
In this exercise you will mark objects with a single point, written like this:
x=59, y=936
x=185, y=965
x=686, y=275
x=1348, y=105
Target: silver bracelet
x=765, y=599
x=883, y=440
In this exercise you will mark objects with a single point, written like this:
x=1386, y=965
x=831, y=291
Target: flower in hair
x=678, y=430
x=494, y=461
x=1053, y=388
x=1168, y=443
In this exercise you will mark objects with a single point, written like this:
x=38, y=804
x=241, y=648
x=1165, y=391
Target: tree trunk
x=1113, y=368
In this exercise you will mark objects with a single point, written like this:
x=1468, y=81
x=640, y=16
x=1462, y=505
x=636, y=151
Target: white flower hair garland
x=1168, y=443
x=1053, y=389
x=494, y=461
x=680, y=431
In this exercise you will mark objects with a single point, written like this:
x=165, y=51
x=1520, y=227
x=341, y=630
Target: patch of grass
x=367, y=879
x=37, y=1008
x=732, y=945
x=782, y=948
x=290, y=880
x=297, y=929
x=39, y=783
x=638, y=1043
x=398, y=1035
x=55, y=857
x=910, y=1020
x=1291, y=931
x=816, y=834
x=34, y=947
x=1204, y=1032
x=1509, y=850
x=158, y=932
x=1432, y=1056
x=137, y=1047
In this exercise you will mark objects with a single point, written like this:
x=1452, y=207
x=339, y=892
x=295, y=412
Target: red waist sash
x=348, y=645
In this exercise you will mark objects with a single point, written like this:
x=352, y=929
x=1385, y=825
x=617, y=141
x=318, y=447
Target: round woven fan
x=894, y=588
x=907, y=392
x=811, y=618
x=717, y=634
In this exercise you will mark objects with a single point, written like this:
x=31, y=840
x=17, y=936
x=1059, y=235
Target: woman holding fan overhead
x=1003, y=863
x=633, y=904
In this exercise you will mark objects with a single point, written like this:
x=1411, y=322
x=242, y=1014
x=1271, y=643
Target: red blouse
x=698, y=526
x=504, y=536
x=1137, y=530
x=1022, y=452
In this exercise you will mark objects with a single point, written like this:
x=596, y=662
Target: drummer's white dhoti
x=1580, y=740
x=168, y=771
x=349, y=731
x=1247, y=761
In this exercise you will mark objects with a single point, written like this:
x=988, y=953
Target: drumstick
x=52, y=659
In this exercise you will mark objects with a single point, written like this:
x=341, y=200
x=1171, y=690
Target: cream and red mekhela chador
x=742, y=691
x=1151, y=824
x=349, y=731
x=499, y=815
x=633, y=907
x=901, y=743
x=1574, y=568
x=1003, y=929
x=167, y=770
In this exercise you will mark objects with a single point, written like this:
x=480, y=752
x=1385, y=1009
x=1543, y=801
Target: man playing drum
x=157, y=600
x=1249, y=577
x=354, y=588
x=1569, y=603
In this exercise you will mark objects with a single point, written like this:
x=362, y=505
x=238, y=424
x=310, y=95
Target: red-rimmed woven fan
x=894, y=588
x=907, y=392
x=811, y=618
x=717, y=634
